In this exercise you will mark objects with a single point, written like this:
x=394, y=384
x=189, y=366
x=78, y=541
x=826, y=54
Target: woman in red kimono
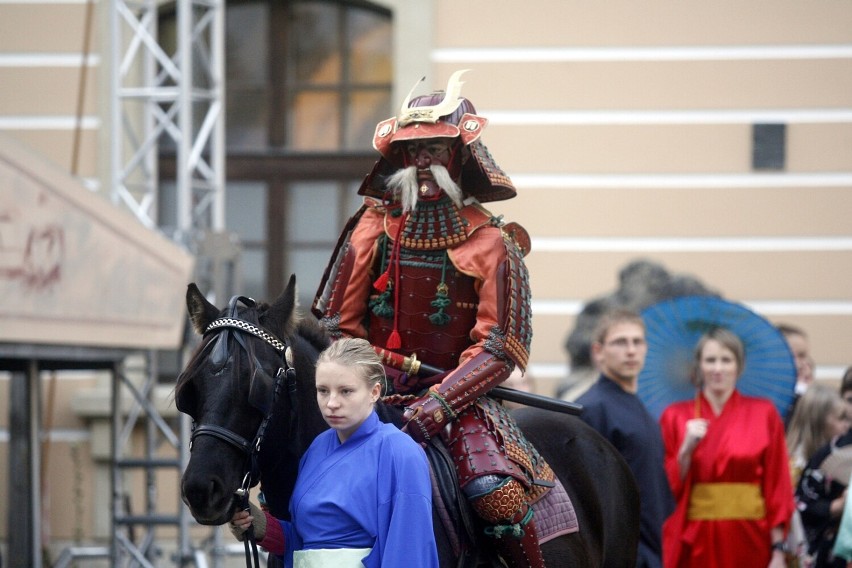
x=726, y=460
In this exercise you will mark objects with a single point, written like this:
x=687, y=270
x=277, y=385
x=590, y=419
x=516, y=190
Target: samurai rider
x=425, y=272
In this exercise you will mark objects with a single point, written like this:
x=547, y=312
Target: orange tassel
x=394, y=341
x=381, y=283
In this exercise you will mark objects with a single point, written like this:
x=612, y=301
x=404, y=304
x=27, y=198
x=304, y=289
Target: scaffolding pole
x=164, y=98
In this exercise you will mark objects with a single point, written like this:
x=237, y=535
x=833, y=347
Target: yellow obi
x=725, y=502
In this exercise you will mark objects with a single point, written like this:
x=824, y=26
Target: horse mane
x=311, y=331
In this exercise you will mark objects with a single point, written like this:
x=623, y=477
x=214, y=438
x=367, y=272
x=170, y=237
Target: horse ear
x=282, y=314
x=201, y=312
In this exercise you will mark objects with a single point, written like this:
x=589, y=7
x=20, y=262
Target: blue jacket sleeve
x=406, y=536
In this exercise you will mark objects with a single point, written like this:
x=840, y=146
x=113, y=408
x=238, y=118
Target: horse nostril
x=207, y=497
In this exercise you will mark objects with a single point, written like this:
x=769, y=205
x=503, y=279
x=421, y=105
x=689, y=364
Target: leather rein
x=251, y=449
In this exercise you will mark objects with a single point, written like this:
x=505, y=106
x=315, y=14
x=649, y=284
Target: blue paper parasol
x=674, y=328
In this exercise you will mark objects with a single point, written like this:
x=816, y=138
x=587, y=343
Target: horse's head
x=228, y=389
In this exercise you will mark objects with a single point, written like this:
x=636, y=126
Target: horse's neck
x=389, y=414
x=290, y=433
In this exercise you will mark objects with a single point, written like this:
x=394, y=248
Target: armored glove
x=427, y=416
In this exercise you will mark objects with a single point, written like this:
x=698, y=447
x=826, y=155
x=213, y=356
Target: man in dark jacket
x=612, y=408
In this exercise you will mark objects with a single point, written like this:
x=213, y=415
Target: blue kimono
x=621, y=418
x=373, y=491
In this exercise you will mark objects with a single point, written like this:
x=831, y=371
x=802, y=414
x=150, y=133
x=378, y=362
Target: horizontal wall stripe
x=562, y=370
x=47, y=60
x=557, y=307
x=830, y=372
x=572, y=307
x=682, y=181
x=43, y=2
x=56, y=435
x=65, y=375
x=804, y=308
x=548, y=370
x=47, y=122
x=699, y=116
x=690, y=244
x=664, y=53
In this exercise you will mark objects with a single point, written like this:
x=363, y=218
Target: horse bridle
x=285, y=372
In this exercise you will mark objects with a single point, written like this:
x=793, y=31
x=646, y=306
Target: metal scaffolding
x=166, y=95
x=162, y=100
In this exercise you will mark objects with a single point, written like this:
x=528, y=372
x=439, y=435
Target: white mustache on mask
x=404, y=186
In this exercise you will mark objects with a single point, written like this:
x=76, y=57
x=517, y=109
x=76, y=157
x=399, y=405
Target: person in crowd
x=727, y=464
x=846, y=390
x=799, y=344
x=612, y=408
x=363, y=496
x=437, y=283
x=821, y=492
x=820, y=416
x=843, y=541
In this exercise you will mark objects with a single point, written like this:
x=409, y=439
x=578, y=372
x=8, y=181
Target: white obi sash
x=330, y=558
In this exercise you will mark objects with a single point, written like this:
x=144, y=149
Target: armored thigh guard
x=501, y=474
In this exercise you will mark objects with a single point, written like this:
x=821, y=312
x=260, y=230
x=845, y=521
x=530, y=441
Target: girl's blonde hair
x=358, y=355
x=807, y=429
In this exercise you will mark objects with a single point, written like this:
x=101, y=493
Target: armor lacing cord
x=381, y=283
x=380, y=305
x=442, y=299
x=515, y=530
x=394, y=340
x=443, y=402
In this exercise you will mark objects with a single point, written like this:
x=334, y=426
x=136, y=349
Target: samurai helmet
x=442, y=114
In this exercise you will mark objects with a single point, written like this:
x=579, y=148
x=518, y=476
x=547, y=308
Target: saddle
x=552, y=507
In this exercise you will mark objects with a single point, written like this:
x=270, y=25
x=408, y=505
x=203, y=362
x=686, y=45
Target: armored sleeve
x=503, y=331
x=340, y=302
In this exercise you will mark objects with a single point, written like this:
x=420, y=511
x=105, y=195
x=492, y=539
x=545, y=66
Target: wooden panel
x=622, y=22
x=621, y=148
x=815, y=147
x=57, y=146
x=829, y=336
x=660, y=148
x=46, y=91
x=656, y=85
x=549, y=335
x=608, y=212
x=89, y=281
x=46, y=28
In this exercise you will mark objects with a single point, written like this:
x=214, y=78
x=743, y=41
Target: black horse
x=250, y=391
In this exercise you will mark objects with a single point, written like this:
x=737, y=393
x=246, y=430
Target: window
x=307, y=81
x=304, y=93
